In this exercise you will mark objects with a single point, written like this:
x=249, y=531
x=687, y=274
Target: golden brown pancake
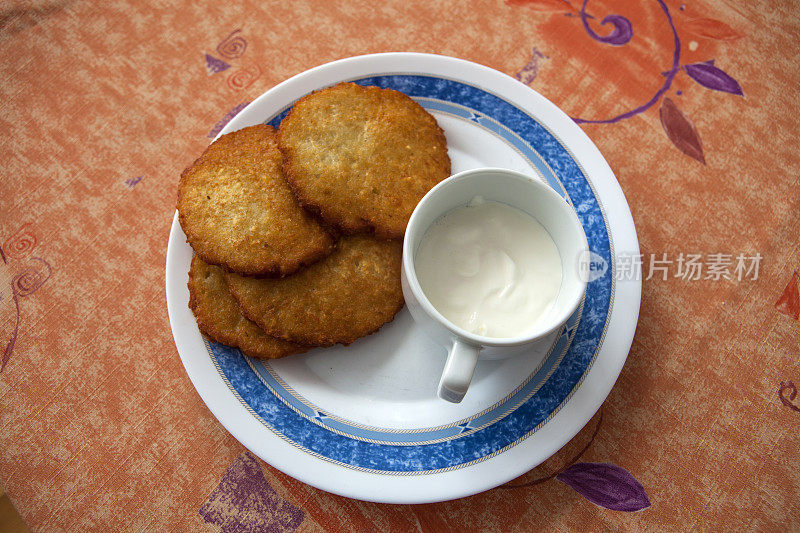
x=362, y=157
x=349, y=294
x=238, y=212
x=219, y=318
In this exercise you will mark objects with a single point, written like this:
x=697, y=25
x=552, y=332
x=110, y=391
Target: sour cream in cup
x=490, y=267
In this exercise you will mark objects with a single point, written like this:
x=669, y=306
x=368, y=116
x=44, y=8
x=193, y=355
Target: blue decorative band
x=426, y=450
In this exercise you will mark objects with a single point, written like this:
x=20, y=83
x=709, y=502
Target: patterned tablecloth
x=693, y=104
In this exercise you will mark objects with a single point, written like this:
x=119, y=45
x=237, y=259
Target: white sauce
x=489, y=268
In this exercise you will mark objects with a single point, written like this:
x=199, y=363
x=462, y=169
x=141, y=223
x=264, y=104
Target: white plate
x=364, y=421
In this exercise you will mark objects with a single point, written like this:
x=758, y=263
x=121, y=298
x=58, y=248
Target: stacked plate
x=364, y=421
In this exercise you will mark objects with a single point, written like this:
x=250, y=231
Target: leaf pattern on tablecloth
x=529, y=72
x=606, y=485
x=133, y=182
x=680, y=130
x=711, y=29
x=227, y=118
x=712, y=77
x=244, y=501
x=543, y=5
x=678, y=127
x=214, y=65
x=789, y=301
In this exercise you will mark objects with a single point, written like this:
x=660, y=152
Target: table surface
x=693, y=105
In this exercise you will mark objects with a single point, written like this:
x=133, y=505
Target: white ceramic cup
x=529, y=195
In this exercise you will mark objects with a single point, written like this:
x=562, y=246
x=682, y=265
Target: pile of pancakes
x=297, y=233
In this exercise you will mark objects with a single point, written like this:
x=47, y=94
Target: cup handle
x=458, y=371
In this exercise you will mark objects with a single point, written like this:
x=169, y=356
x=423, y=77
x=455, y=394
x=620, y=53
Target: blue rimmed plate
x=364, y=421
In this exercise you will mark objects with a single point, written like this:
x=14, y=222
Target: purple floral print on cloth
x=245, y=502
x=606, y=485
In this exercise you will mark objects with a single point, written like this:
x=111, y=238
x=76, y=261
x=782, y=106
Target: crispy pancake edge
x=315, y=207
x=317, y=339
x=212, y=330
x=270, y=270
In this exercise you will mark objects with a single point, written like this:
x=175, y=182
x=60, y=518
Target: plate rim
x=596, y=383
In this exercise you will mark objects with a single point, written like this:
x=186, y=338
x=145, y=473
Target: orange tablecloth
x=103, y=104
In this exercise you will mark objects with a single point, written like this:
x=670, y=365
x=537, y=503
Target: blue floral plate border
x=435, y=449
